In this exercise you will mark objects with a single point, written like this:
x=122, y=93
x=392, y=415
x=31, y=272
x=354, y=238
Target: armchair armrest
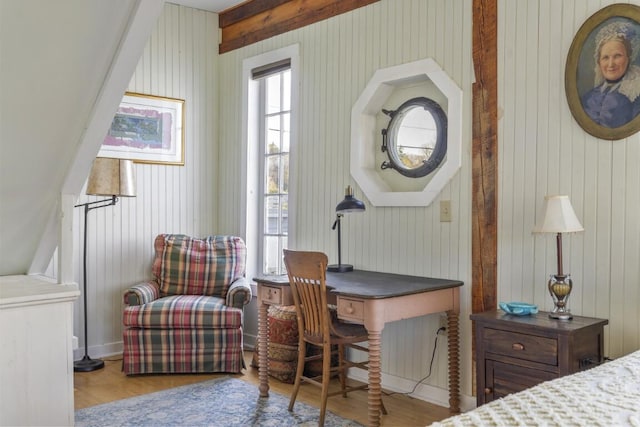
x=142, y=293
x=239, y=293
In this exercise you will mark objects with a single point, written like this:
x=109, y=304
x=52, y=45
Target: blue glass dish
x=518, y=308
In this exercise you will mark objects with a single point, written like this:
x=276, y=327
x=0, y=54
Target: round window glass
x=416, y=138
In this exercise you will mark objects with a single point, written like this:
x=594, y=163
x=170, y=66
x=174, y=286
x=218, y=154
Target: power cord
x=433, y=355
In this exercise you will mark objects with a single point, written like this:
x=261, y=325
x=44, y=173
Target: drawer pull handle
x=350, y=309
x=517, y=346
x=487, y=390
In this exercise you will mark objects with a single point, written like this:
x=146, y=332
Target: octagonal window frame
x=365, y=139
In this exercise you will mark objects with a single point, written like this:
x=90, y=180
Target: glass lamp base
x=560, y=288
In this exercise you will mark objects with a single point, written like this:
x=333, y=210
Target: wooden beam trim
x=285, y=17
x=484, y=247
x=246, y=10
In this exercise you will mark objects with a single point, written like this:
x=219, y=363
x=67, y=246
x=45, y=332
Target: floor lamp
x=108, y=177
x=349, y=204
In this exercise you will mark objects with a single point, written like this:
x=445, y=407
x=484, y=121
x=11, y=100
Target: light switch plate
x=445, y=210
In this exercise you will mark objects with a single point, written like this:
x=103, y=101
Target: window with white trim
x=274, y=135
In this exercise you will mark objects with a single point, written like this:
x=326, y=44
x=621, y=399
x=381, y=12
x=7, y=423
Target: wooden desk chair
x=318, y=326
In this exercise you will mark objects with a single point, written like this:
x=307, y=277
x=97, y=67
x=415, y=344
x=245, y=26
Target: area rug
x=226, y=401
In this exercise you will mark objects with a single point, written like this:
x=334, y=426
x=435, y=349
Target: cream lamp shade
x=112, y=177
x=559, y=217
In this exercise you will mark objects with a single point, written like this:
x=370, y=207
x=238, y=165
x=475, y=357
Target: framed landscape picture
x=146, y=129
x=602, y=75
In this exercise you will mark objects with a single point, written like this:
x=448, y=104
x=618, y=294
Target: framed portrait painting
x=146, y=129
x=602, y=74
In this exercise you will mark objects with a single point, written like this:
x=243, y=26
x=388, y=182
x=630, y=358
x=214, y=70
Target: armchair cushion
x=190, y=266
x=183, y=312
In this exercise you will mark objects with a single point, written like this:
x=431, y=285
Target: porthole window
x=416, y=139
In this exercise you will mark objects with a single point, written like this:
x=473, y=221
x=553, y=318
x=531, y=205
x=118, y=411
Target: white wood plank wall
x=544, y=151
x=541, y=151
x=337, y=58
x=180, y=61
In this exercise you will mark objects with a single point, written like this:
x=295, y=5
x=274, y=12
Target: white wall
x=338, y=56
x=180, y=61
x=544, y=151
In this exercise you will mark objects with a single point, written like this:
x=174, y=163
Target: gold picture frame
x=582, y=74
x=147, y=129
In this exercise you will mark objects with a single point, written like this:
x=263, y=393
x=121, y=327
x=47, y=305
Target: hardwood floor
x=109, y=384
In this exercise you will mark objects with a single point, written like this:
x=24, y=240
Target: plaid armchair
x=188, y=319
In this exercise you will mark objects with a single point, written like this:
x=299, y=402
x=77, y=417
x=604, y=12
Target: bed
x=607, y=395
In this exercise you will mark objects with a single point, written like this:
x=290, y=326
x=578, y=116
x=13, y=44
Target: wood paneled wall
x=541, y=151
x=337, y=58
x=544, y=151
x=180, y=61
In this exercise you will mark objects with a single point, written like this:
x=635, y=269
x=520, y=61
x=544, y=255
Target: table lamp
x=559, y=218
x=108, y=177
x=349, y=204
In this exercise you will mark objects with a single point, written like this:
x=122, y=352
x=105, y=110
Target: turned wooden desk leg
x=374, y=378
x=454, y=361
x=263, y=356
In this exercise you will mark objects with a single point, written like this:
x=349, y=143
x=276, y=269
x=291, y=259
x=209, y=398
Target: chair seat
x=183, y=312
x=349, y=331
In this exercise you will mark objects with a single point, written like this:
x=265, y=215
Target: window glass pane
x=286, y=131
x=284, y=210
x=272, y=255
x=272, y=175
x=284, y=173
x=271, y=214
x=273, y=94
x=286, y=90
x=273, y=135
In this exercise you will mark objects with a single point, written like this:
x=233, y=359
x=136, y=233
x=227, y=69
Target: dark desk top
x=373, y=284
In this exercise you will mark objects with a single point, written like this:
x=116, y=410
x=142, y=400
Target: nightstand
x=517, y=352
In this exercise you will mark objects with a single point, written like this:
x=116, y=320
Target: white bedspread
x=607, y=395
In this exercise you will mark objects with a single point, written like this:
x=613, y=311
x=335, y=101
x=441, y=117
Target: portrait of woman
x=615, y=98
x=602, y=77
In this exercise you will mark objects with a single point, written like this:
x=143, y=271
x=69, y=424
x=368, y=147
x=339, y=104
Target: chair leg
x=302, y=354
x=342, y=374
x=326, y=377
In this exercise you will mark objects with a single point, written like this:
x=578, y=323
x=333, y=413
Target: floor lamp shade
x=559, y=217
x=108, y=177
x=349, y=204
x=112, y=177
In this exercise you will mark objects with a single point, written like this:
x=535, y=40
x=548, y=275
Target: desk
x=372, y=299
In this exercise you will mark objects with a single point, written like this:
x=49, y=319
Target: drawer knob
x=517, y=346
x=350, y=309
x=487, y=390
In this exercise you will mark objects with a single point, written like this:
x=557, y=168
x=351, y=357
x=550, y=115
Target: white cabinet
x=36, y=357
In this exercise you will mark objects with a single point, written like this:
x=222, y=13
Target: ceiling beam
x=257, y=20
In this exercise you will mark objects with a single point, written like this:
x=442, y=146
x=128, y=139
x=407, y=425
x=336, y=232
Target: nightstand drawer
x=503, y=379
x=522, y=346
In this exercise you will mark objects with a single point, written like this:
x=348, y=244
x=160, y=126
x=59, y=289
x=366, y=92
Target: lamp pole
x=88, y=364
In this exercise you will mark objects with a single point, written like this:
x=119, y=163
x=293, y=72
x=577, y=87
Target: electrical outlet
x=443, y=321
x=445, y=210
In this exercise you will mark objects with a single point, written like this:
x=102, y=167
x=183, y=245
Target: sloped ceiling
x=56, y=75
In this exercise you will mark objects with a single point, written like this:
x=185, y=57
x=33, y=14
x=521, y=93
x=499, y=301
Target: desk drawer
x=271, y=294
x=352, y=309
x=521, y=346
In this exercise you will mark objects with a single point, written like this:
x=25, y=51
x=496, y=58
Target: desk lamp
x=349, y=204
x=108, y=177
x=559, y=218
